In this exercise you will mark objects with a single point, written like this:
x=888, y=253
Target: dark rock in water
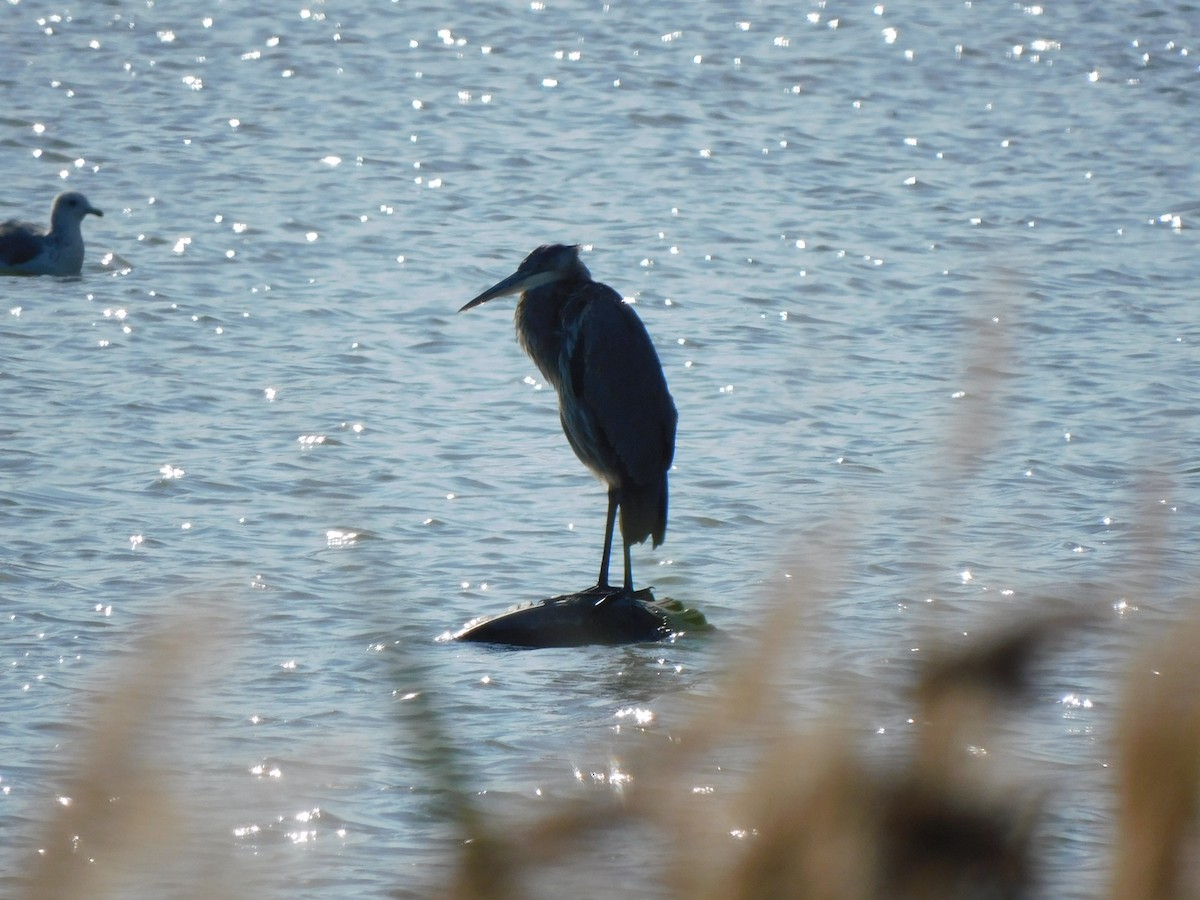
x=573, y=620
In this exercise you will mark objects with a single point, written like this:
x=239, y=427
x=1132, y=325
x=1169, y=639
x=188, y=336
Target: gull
x=27, y=249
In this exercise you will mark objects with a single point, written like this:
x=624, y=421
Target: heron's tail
x=644, y=511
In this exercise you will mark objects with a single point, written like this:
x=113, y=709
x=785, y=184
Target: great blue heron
x=27, y=249
x=612, y=396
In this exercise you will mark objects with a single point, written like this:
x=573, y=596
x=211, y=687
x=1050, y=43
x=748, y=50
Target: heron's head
x=545, y=265
x=71, y=207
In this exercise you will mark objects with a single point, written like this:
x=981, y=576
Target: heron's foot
x=601, y=593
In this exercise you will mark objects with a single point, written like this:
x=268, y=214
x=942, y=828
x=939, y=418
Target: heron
x=613, y=400
x=28, y=249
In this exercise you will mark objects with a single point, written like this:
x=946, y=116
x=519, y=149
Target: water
x=922, y=284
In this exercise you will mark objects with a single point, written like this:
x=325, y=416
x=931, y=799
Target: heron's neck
x=539, y=328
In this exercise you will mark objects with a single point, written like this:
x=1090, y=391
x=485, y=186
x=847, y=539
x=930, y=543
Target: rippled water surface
x=923, y=284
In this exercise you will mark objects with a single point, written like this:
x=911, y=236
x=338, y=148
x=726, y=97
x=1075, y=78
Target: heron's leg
x=608, y=536
x=628, y=569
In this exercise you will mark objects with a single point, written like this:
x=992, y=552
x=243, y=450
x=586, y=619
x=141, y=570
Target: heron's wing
x=616, y=374
x=19, y=242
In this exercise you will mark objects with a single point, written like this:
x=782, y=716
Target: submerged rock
x=589, y=617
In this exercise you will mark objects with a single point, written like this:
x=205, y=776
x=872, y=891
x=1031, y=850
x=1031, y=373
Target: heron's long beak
x=513, y=284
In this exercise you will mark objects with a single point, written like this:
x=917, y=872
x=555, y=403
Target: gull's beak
x=94, y=211
x=515, y=283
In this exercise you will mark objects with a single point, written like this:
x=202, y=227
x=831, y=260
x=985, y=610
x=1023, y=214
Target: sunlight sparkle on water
x=1072, y=702
x=639, y=715
x=335, y=539
x=614, y=777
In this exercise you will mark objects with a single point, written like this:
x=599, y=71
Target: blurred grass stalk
x=117, y=816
